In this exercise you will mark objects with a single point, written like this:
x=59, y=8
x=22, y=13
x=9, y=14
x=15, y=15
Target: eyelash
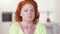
x=27, y=10
x=32, y=10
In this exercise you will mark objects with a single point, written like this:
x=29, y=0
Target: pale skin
x=28, y=14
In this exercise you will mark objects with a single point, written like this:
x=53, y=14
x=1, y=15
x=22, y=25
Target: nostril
x=29, y=13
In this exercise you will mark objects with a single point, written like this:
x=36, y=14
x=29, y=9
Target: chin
x=29, y=19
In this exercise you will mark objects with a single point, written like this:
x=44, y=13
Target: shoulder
x=42, y=28
x=14, y=26
x=40, y=24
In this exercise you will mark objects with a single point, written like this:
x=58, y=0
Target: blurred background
x=49, y=14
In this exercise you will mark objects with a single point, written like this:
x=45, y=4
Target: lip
x=29, y=17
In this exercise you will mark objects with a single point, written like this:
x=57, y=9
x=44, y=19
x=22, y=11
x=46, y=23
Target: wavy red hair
x=20, y=6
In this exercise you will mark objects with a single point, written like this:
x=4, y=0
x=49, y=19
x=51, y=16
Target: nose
x=29, y=13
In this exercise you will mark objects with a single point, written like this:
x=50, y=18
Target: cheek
x=24, y=14
x=33, y=14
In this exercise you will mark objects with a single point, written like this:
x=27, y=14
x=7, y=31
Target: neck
x=27, y=22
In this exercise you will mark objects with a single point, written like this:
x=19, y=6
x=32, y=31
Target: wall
x=43, y=5
x=57, y=11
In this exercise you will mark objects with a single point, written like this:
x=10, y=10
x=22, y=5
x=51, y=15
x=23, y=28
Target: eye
x=25, y=10
x=32, y=10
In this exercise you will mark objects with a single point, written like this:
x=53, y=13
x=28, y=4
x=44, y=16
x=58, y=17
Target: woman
x=27, y=19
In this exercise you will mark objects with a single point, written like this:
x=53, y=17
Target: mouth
x=30, y=17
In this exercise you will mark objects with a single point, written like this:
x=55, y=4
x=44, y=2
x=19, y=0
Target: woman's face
x=28, y=12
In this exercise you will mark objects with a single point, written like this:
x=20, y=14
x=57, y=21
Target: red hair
x=20, y=6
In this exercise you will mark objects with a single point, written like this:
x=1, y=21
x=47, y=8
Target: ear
x=20, y=14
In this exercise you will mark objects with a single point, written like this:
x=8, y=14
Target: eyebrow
x=28, y=9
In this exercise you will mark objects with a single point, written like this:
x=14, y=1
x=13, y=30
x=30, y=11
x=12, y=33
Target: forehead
x=28, y=6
